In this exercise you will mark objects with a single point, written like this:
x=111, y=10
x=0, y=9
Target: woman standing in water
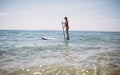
x=66, y=25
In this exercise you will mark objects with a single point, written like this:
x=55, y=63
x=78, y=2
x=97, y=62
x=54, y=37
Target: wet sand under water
x=107, y=64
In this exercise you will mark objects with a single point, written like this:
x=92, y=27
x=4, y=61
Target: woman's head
x=65, y=18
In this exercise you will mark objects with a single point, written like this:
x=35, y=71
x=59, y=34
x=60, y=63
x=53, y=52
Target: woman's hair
x=65, y=18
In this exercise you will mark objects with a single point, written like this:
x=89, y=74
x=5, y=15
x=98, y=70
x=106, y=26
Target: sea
x=24, y=52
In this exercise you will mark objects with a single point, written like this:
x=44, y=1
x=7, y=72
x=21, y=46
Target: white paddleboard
x=47, y=38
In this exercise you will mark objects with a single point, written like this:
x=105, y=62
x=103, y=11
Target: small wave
x=2, y=54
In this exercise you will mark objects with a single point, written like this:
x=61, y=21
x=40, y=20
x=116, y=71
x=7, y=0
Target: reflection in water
x=67, y=55
x=102, y=67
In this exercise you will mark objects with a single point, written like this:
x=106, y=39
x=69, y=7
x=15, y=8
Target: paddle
x=63, y=30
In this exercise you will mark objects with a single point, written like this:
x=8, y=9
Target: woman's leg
x=67, y=33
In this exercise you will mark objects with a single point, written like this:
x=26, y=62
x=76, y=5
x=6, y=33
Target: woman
x=66, y=26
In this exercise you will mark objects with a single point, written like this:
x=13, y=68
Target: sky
x=83, y=15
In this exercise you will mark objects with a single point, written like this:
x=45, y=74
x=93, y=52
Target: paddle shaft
x=63, y=31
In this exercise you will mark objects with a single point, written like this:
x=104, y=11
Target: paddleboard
x=47, y=38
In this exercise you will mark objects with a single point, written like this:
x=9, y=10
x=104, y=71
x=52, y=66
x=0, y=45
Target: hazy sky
x=100, y=15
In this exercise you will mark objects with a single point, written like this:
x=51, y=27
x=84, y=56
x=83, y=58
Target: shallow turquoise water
x=22, y=49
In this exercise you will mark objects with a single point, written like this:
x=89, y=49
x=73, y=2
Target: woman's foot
x=67, y=38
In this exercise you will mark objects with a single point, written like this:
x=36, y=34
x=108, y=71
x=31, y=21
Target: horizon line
x=56, y=30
